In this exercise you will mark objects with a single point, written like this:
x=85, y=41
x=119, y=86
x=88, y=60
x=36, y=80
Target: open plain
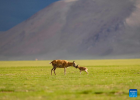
x=32, y=80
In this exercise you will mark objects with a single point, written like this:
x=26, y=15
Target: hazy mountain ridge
x=80, y=29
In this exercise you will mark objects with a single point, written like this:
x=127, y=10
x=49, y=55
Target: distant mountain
x=76, y=29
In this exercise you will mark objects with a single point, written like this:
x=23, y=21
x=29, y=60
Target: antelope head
x=74, y=64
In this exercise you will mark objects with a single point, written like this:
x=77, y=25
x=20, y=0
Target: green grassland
x=32, y=80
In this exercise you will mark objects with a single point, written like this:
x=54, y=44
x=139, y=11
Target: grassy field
x=32, y=80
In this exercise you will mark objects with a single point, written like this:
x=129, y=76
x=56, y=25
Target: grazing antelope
x=60, y=64
x=82, y=69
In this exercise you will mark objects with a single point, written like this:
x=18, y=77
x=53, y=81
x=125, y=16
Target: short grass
x=32, y=80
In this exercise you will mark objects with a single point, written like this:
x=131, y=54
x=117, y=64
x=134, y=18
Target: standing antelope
x=60, y=64
x=82, y=69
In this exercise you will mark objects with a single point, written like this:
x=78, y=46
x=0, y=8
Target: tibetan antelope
x=60, y=64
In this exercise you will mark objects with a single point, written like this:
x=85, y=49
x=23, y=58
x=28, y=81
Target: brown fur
x=60, y=64
x=82, y=69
